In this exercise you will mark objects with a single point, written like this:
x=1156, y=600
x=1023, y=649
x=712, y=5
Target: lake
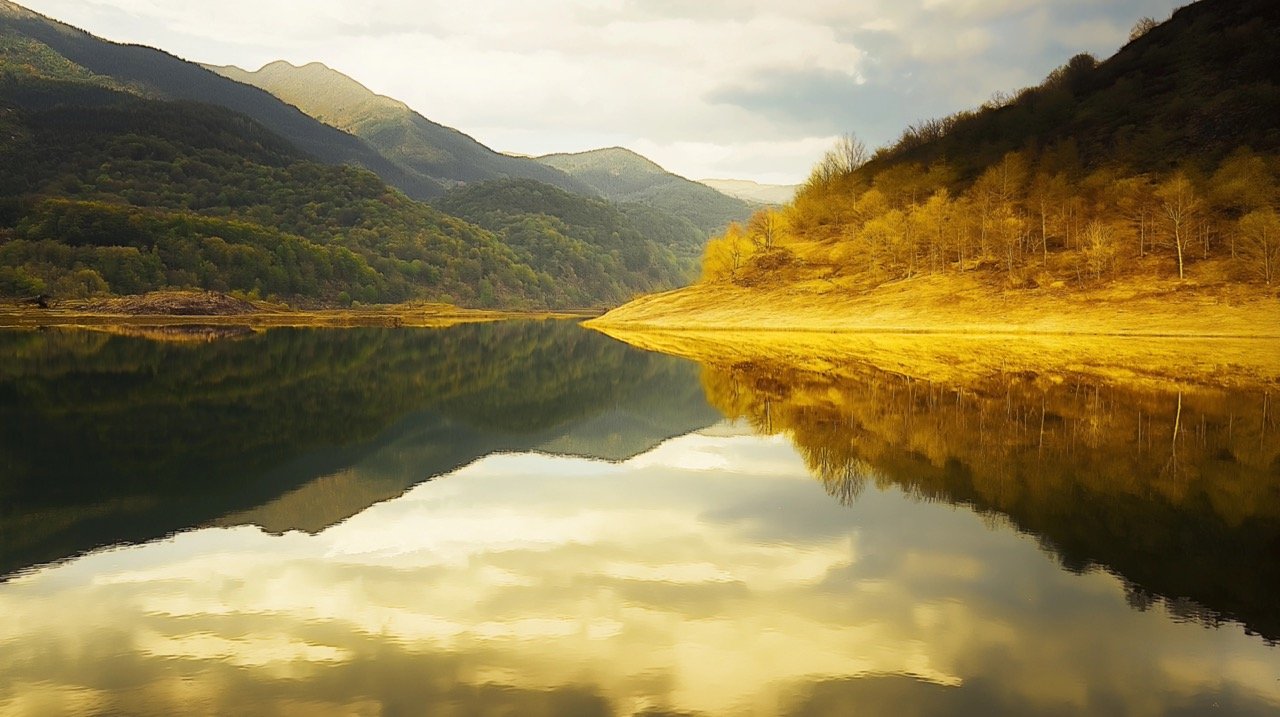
x=531, y=518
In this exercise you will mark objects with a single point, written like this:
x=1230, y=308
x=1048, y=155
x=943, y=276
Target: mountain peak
x=610, y=159
x=14, y=10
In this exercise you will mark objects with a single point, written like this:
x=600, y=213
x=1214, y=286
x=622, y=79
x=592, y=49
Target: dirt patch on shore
x=174, y=303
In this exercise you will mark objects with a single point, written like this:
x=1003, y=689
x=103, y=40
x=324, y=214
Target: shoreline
x=958, y=306
x=1165, y=363
x=389, y=316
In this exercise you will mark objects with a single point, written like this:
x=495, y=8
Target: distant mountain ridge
x=622, y=175
x=160, y=75
x=396, y=131
x=755, y=192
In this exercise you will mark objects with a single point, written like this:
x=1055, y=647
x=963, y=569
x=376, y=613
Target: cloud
x=568, y=75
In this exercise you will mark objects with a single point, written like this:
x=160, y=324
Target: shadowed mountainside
x=159, y=75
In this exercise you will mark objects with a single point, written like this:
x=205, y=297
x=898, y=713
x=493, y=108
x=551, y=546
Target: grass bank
x=961, y=305
x=184, y=314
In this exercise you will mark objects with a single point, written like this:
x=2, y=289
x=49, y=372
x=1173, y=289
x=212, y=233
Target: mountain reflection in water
x=593, y=545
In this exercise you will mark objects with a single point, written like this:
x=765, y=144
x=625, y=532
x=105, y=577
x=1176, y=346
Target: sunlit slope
x=956, y=303
x=1140, y=194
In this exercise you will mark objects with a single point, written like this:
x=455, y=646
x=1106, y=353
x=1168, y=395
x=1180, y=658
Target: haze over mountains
x=754, y=192
x=129, y=169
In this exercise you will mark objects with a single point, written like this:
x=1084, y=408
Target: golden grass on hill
x=960, y=304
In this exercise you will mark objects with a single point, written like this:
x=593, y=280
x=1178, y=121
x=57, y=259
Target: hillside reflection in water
x=865, y=540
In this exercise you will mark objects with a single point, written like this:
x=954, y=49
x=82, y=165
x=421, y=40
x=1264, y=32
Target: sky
x=743, y=89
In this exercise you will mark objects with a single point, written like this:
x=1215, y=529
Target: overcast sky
x=752, y=89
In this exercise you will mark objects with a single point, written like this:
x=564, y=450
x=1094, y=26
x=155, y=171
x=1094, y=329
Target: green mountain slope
x=139, y=194
x=604, y=254
x=111, y=188
x=624, y=176
x=391, y=127
x=160, y=75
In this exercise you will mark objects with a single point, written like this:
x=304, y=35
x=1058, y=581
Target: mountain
x=159, y=75
x=1196, y=87
x=604, y=254
x=401, y=135
x=1139, y=194
x=110, y=186
x=623, y=176
x=754, y=192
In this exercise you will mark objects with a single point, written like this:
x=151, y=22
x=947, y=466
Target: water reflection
x=854, y=540
x=533, y=584
x=107, y=438
x=1176, y=490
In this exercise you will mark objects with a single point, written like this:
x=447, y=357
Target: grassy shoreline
x=1164, y=363
x=174, y=310
x=959, y=305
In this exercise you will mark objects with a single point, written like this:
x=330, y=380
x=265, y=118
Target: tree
x=1259, y=232
x=764, y=228
x=846, y=157
x=1098, y=248
x=1142, y=27
x=1180, y=205
x=726, y=255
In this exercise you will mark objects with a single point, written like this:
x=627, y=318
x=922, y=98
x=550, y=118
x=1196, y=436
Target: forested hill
x=1162, y=162
x=397, y=132
x=159, y=75
x=623, y=176
x=106, y=191
x=111, y=186
x=1194, y=88
x=603, y=253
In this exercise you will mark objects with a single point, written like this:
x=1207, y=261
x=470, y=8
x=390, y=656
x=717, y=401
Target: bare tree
x=1180, y=206
x=1142, y=27
x=846, y=157
x=1260, y=242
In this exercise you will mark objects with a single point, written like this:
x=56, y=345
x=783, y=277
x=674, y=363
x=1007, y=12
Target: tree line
x=1033, y=216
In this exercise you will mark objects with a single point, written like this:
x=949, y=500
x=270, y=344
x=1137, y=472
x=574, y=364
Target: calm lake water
x=533, y=519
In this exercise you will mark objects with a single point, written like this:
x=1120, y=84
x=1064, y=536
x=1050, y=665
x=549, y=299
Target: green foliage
x=593, y=248
x=155, y=194
x=623, y=176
